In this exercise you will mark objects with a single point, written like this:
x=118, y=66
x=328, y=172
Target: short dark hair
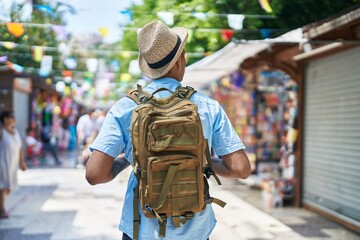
x=6, y=114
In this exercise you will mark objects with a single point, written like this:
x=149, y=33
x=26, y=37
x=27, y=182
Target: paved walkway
x=58, y=204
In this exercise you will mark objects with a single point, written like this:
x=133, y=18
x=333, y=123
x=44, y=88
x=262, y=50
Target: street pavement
x=56, y=203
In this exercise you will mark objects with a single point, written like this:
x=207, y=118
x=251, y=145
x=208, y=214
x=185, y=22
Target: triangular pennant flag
x=60, y=32
x=70, y=63
x=167, y=17
x=92, y=64
x=15, y=29
x=265, y=5
x=199, y=15
x=125, y=77
x=8, y=45
x=103, y=31
x=265, y=33
x=46, y=66
x=128, y=15
x=3, y=59
x=227, y=34
x=235, y=21
x=38, y=53
x=45, y=9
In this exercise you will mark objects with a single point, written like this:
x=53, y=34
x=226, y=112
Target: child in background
x=33, y=146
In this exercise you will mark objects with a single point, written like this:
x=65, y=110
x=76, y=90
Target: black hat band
x=168, y=58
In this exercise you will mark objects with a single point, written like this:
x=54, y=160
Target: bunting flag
x=235, y=21
x=265, y=33
x=134, y=67
x=166, y=17
x=38, y=53
x=227, y=34
x=8, y=45
x=15, y=29
x=103, y=31
x=125, y=77
x=70, y=63
x=3, y=59
x=60, y=32
x=128, y=16
x=199, y=15
x=46, y=66
x=45, y=9
x=92, y=64
x=114, y=66
x=265, y=5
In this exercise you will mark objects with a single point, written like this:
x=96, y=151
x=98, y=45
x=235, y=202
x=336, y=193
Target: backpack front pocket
x=173, y=134
x=175, y=184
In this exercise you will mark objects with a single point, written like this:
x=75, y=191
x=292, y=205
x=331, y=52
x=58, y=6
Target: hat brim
x=159, y=72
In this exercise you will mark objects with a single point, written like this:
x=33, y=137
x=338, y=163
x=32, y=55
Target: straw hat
x=159, y=48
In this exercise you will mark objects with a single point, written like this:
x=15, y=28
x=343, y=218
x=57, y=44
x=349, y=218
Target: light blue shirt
x=114, y=137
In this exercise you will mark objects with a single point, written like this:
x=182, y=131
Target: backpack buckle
x=149, y=209
x=208, y=172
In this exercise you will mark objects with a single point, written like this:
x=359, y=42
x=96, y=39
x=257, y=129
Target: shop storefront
x=262, y=107
x=322, y=115
x=327, y=151
x=331, y=149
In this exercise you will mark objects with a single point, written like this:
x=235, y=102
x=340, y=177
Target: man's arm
x=102, y=168
x=233, y=165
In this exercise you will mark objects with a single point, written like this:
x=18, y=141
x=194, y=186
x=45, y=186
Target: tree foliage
x=287, y=15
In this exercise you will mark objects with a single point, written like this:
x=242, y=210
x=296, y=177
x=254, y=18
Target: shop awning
x=219, y=63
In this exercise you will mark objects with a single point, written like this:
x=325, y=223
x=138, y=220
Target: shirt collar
x=170, y=83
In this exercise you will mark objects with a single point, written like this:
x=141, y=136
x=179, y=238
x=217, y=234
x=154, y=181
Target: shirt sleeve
x=225, y=140
x=110, y=139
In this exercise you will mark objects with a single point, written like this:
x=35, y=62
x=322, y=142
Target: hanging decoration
x=70, y=63
x=265, y=33
x=60, y=32
x=38, y=53
x=46, y=66
x=266, y=6
x=114, y=66
x=92, y=64
x=8, y=45
x=3, y=59
x=127, y=16
x=15, y=29
x=166, y=17
x=199, y=15
x=103, y=31
x=227, y=34
x=235, y=21
x=45, y=9
x=125, y=77
x=134, y=67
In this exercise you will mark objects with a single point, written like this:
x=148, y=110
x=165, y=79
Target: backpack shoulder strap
x=133, y=95
x=185, y=92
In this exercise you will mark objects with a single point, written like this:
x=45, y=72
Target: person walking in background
x=11, y=157
x=162, y=58
x=49, y=143
x=86, y=133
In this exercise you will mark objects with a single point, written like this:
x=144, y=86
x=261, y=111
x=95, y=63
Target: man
x=162, y=58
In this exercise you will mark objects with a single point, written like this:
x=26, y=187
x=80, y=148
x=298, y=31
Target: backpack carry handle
x=145, y=96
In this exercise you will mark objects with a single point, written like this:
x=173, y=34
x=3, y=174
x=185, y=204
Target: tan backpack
x=171, y=158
